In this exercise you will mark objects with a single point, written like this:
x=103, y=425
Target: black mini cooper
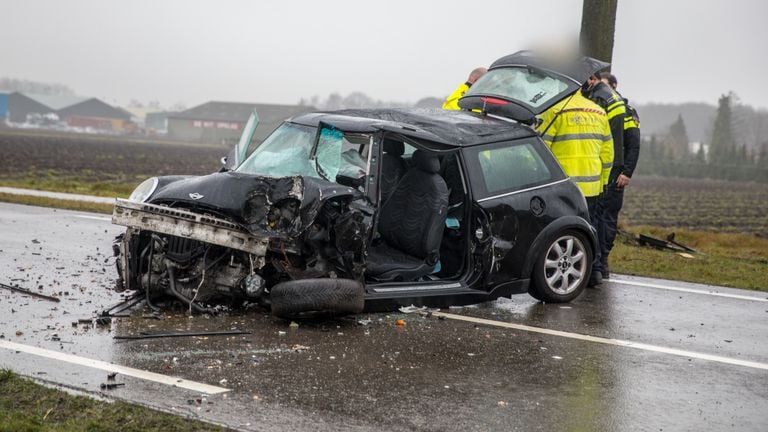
x=336, y=212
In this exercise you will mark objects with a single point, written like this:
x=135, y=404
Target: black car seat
x=411, y=224
x=393, y=167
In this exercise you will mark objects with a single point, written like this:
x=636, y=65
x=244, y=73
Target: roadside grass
x=60, y=183
x=57, y=203
x=727, y=259
x=27, y=406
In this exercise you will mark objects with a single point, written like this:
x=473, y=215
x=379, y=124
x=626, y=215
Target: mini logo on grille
x=195, y=196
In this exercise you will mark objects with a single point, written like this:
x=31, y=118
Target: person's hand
x=622, y=181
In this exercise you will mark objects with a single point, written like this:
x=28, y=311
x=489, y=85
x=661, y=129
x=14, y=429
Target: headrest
x=426, y=161
x=395, y=148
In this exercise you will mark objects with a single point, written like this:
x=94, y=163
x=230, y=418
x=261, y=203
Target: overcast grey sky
x=396, y=50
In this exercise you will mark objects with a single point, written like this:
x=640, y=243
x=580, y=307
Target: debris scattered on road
x=156, y=335
x=364, y=322
x=30, y=293
x=110, y=386
x=400, y=323
x=412, y=309
x=293, y=325
x=111, y=376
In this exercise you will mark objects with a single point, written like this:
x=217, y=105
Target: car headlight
x=144, y=190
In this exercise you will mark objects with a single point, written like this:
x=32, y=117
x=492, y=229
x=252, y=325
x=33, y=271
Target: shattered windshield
x=532, y=87
x=340, y=157
x=284, y=153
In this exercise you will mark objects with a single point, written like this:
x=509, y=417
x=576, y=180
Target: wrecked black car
x=336, y=212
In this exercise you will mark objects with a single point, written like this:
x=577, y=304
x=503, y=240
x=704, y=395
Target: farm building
x=74, y=111
x=21, y=105
x=222, y=122
x=3, y=108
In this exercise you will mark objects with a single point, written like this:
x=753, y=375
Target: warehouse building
x=76, y=112
x=223, y=122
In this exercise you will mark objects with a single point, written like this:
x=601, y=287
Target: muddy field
x=698, y=204
x=51, y=158
x=109, y=160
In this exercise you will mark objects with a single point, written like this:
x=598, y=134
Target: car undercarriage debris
x=30, y=293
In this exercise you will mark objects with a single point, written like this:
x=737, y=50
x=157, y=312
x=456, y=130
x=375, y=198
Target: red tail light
x=493, y=101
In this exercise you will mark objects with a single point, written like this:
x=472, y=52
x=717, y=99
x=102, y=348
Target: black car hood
x=270, y=206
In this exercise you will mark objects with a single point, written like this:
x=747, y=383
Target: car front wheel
x=562, y=270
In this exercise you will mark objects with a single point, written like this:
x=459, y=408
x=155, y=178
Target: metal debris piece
x=28, y=292
x=671, y=239
x=110, y=386
x=156, y=335
x=668, y=244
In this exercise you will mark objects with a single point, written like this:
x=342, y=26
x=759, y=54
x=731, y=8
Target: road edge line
x=606, y=341
x=110, y=367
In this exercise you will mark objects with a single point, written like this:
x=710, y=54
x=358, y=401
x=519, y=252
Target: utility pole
x=598, y=22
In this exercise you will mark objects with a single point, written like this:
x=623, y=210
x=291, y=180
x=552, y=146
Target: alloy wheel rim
x=565, y=264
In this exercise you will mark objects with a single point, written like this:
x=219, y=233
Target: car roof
x=448, y=127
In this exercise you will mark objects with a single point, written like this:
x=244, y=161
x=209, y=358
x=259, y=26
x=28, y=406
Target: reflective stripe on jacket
x=613, y=104
x=577, y=132
x=452, y=103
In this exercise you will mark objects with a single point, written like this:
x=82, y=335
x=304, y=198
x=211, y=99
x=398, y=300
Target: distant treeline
x=736, y=148
x=27, y=86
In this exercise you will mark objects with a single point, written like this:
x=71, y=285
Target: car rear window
x=506, y=167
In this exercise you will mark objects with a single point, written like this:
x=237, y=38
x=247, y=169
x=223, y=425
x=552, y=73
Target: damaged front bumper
x=186, y=224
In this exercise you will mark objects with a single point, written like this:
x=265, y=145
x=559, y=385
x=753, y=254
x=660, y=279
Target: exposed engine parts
x=154, y=258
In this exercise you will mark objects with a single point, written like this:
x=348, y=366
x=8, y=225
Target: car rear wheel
x=562, y=270
x=309, y=298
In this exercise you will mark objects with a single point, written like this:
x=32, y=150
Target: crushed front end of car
x=231, y=237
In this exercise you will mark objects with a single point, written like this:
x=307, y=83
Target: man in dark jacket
x=613, y=104
x=613, y=197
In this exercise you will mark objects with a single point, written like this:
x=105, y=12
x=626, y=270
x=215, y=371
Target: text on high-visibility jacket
x=577, y=132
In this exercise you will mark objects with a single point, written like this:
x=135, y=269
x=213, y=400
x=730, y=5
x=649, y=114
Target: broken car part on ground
x=340, y=211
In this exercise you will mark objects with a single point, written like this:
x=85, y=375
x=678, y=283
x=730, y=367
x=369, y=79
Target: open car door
x=238, y=154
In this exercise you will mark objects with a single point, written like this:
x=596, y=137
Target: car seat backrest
x=393, y=167
x=413, y=218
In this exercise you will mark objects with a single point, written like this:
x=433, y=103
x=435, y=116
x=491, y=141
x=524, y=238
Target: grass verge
x=57, y=203
x=734, y=260
x=27, y=406
x=75, y=186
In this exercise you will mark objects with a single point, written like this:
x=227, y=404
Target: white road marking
x=57, y=195
x=687, y=290
x=616, y=342
x=109, y=367
x=98, y=218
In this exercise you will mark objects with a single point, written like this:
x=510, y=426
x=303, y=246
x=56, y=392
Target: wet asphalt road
x=366, y=373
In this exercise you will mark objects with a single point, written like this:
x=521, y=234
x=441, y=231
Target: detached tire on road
x=317, y=297
x=562, y=269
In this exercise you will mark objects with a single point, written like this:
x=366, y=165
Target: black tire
x=561, y=271
x=309, y=298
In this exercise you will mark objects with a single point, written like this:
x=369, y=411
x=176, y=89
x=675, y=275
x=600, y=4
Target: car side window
x=510, y=167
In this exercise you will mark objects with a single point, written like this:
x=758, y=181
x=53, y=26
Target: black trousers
x=609, y=204
x=593, y=204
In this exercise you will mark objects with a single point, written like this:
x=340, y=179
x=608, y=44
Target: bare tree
x=598, y=22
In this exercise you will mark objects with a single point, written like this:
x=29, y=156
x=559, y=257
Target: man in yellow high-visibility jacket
x=577, y=132
x=452, y=102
